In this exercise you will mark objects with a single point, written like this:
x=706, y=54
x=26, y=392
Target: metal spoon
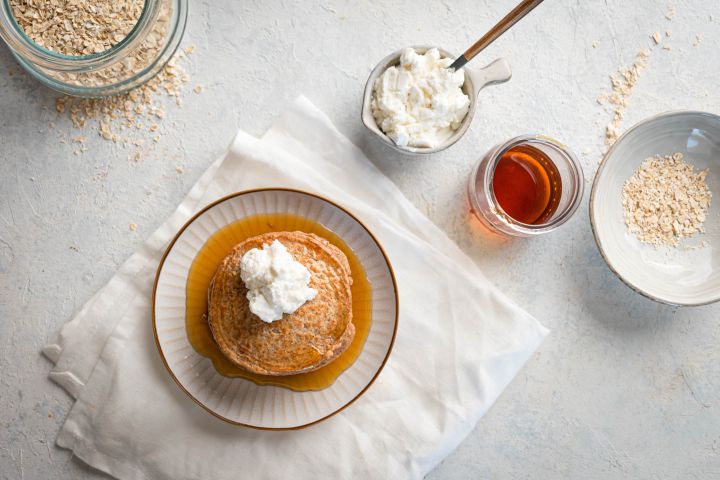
x=501, y=27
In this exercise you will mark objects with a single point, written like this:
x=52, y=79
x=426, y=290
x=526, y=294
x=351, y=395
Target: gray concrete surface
x=622, y=388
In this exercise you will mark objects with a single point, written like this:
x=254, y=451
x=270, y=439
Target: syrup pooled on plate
x=203, y=269
x=527, y=185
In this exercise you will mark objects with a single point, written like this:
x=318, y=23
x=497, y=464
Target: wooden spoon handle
x=501, y=27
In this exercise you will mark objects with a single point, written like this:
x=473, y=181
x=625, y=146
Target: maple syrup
x=527, y=185
x=204, y=267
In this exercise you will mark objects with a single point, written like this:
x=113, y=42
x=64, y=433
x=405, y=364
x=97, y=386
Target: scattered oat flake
x=622, y=83
x=667, y=47
x=133, y=227
x=656, y=37
x=198, y=88
x=670, y=13
x=595, y=44
x=668, y=33
x=665, y=200
x=138, y=109
x=179, y=169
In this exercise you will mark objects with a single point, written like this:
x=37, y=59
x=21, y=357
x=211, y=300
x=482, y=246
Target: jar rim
x=568, y=156
x=171, y=44
x=17, y=38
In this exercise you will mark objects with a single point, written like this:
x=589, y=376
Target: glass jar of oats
x=93, y=48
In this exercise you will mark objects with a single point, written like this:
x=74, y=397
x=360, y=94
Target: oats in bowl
x=666, y=200
x=652, y=216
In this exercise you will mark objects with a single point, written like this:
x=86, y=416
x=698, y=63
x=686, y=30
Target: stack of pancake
x=313, y=336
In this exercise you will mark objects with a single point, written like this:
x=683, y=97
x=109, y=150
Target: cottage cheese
x=420, y=103
x=276, y=282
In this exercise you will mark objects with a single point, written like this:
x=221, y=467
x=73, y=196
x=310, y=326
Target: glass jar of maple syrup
x=529, y=185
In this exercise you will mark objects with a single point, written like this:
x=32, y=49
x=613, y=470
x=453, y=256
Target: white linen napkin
x=459, y=343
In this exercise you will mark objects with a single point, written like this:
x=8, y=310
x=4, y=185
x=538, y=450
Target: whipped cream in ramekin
x=420, y=102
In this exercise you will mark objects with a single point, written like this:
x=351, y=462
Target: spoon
x=494, y=33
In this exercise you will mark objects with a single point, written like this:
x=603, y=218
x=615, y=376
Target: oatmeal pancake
x=314, y=335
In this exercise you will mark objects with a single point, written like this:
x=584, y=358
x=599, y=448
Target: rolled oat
x=77, y=27
x=666, y=200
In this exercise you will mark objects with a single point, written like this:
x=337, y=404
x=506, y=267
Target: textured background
x=622, y=388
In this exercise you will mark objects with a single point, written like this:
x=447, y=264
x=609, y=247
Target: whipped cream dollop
x=276, y=282
x=420, y=103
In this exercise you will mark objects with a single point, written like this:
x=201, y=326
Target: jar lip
x=49, y=58
x=178, y=21
x=577, y=192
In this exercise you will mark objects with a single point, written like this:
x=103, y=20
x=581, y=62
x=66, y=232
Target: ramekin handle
x=492, y=74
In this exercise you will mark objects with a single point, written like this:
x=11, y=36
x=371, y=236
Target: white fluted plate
x=690, y=274
x=240, y=401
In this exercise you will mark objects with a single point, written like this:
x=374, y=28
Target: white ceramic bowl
x=241, y=401
x=475, y=80
x=676, y=276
